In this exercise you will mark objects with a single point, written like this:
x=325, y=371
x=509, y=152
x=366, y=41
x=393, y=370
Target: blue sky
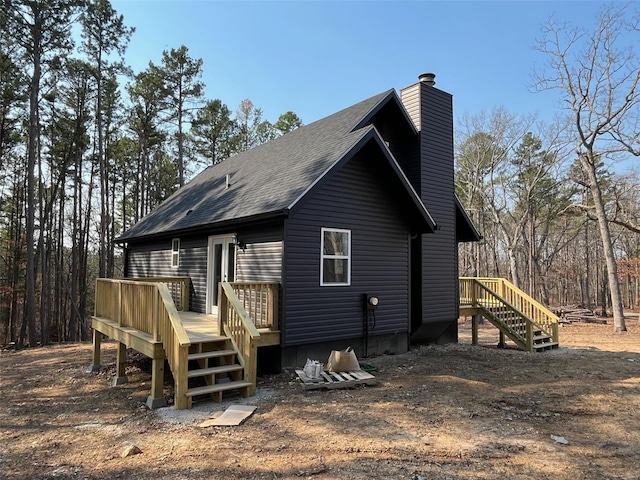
x=316, y=58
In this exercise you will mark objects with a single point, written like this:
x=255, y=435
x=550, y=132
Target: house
x=354, y=216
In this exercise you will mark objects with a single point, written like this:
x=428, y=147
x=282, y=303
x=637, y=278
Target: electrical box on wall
x=371, y=301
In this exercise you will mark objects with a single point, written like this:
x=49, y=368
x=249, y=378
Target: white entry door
x=221, y=267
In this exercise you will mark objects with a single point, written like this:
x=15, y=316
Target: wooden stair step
x=211, y=354
x=208, y=338
x=545, y=346
x=541, y=337
x=218, y=387
x=214, y=370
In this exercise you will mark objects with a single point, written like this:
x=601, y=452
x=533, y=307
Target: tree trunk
x=30, y=287
x=586, y=291
x=513, y=264
x=607, y=246
x=532, y=255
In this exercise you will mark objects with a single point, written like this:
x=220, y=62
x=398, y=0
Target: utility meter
x=372, y=301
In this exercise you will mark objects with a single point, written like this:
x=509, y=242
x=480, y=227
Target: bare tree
x=597, y=74
x=484, y=167
x=248, y=118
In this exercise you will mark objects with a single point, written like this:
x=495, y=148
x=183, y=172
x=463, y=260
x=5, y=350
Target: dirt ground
x=438, y=412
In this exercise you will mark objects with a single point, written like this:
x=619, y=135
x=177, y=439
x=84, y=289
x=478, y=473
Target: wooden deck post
x=121, y=364
x=156, y=399
x=186, y=284
x=222, y=308
x=554, y=332
x=273, y=308
x=119, y=304
x=474, y=293
x=250, y=366
x=155, y=308
x=529, y=338
x=97, y=340
x=181, y=401
x=501, y=341
x=474, y=329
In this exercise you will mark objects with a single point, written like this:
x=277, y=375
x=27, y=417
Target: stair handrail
x=175, y=342
x=540, y=313
x=501, y=302
x=236, y=323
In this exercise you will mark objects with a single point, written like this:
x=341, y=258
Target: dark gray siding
x=401, y=140
x=260, y=262
x=439, y=276
x=153, y=259
x=360, y=197
x=409, y=161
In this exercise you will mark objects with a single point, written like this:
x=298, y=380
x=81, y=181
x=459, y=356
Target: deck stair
x=214, y=368
x=530, y=325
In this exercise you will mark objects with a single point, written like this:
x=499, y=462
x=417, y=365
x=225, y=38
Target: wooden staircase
x=529, y=324
x=213, y=368
x=515, y=325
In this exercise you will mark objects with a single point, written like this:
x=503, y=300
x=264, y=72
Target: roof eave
x=474, y=233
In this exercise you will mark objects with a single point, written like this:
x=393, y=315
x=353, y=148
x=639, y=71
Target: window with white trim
x=335, y=257
x=175, y=253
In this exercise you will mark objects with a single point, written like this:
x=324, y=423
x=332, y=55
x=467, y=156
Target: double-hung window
x=335, y=257
x=175, y=253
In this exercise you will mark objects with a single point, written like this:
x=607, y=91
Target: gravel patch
x=204, y=409
x=565, y=350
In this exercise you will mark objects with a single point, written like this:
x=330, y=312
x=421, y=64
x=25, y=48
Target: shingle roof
x=268, y=179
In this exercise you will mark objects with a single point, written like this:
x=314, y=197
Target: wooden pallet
x=331, y=380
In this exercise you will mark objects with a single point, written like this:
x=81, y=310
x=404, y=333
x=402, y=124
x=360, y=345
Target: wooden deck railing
x=236, y=323
x=260, y=300
x=179, y=288
x=148, y=307
x=497, y=292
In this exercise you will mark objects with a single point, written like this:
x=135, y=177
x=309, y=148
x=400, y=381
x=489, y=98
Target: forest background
x=88, y=147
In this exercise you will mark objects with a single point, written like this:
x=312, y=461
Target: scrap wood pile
x=569, y=314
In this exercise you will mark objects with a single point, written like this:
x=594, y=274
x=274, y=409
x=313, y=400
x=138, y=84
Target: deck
x=200, y=328
x=203, y=328
x=143, y=314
